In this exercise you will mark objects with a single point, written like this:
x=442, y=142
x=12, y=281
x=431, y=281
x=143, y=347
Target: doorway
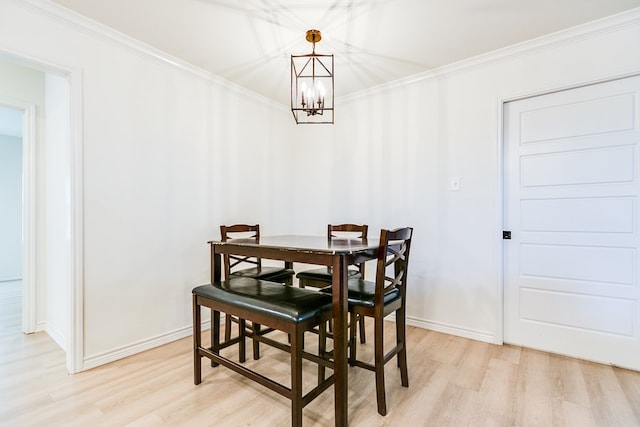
x=10, y=194
x=51, y=200
x=571, y=202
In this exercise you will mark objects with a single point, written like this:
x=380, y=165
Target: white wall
x=389, y=159
x=10, y=208
x=170, y=153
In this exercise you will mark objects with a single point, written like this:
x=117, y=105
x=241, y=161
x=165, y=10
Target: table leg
x=215, y=265
x=340, y=317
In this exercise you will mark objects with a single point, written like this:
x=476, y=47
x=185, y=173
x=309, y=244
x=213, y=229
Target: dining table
x=337, y=253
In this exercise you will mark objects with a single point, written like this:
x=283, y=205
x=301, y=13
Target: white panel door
x=571, y=203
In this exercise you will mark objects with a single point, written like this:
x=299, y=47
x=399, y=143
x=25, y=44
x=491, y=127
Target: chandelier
x=312, y=85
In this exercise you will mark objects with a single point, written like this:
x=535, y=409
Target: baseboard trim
x=56, y=336
x=454, y=330
x=138, y=347
x=472, y=334
x=148, y=344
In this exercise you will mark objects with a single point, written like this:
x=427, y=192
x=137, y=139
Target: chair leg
x=352, y=336
x=215, y=335
x=379, y=365
x=296, y=377
x=227, y=326
x=401, y=333
x=322, y=349
x=362, y=333
x=256, y=343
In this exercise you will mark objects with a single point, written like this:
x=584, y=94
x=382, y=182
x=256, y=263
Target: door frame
x=75, y=328
x=500, y=212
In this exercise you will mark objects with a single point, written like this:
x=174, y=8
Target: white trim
x=528, y=47
x=453, y=330
x=75, y=351
x=499, y=225
x=573, y=84
x=140, y=346
x=95, y=29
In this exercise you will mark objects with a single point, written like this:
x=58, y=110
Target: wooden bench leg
x=296, y=377
x=215, y=334
x=242, y=324
x=256, y=343
x=197, y=329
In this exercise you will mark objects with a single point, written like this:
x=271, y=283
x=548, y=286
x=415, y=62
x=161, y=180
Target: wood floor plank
x=630, y=384
x=608, y=400
x=453, y=382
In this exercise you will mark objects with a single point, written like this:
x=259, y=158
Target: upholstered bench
x=286, y=308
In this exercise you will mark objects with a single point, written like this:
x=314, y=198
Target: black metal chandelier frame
x=312, y=84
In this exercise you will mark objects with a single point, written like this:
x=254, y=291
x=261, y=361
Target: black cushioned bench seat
x=286, y=308
x=269, y=299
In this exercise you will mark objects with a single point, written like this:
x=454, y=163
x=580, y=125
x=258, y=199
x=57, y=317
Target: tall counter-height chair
x=379, y=299
x=232, y=264
x=322, y=277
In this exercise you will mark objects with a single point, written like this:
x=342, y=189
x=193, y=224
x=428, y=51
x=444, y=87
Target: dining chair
x=322, y=277
x=379, y=299
x=231, y=262
x=249, y=267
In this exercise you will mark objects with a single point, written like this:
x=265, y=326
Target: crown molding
x=571, y=35
x=95, y=29
x=528, y=47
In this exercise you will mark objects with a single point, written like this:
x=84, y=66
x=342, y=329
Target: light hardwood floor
x=452, y=382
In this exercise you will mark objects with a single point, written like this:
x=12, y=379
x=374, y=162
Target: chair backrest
x=239, y=231
x=349, y=228
x=393, y=251
x=357, y=231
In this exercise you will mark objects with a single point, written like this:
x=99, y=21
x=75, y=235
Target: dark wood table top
x=311, y=249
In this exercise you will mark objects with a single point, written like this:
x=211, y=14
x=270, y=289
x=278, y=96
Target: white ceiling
x=249, y=42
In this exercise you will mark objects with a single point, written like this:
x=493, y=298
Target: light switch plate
x=455, y=183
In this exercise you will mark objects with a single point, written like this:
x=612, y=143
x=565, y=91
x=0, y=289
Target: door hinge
x=506, y=235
